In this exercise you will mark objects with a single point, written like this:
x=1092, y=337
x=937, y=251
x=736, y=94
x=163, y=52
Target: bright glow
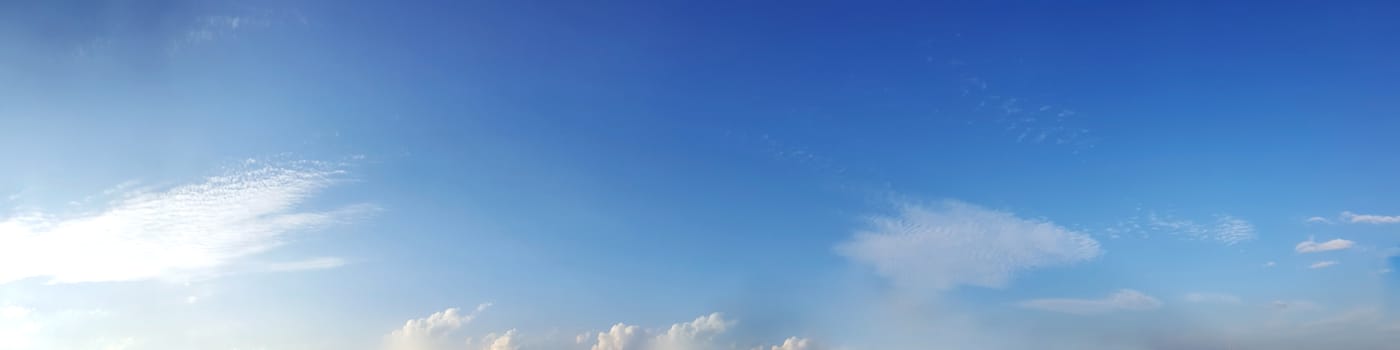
x=184, y=231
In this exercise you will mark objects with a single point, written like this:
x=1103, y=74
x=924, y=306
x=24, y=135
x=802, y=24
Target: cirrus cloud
x=1311, y=246
x=193, y=229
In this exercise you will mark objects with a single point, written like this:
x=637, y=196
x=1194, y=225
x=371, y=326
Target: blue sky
x=698, y=175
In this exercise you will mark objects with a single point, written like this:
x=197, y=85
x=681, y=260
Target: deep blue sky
x=647, y=162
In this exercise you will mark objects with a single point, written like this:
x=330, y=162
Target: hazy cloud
x=941, y=246
x=1122, y=300
x=1322, y=264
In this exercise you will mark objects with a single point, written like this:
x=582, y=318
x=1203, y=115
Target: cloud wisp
x=1355, y=218
x=941, y=246
x=1121, y=300
x=1323, y=264
x=186, y=231
x=1225, y=229
x=1311, y=246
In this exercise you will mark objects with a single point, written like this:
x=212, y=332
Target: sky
x=697, y=175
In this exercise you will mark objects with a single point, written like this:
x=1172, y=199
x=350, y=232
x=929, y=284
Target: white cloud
x=1214, y=298
x=620, y=337
x=1322, y=264
x=953, y=243
x=793, y=343
x=1317, y=220
x=182, y=231
x=1270, y=264
x=17, y=329
x=693, y=335
x=1369, y=219
x=430, y=332
x=1311, y=246
x=509, y=340
x=703, y=333
x=1122, y=300
x=118, y=344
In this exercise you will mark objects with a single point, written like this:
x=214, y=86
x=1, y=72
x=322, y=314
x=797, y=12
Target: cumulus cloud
x=1369, y=219
x=1311, y=246
x=505, y=341
x=1122, y=300
x=694, y=335
x=1214, y=298
x=1322, y=264
x=793, y=343
x=431, y=332
x=1317, y=220
x=941, y=246
x=181, y=231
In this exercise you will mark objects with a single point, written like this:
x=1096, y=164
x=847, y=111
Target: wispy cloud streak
x=182, y=231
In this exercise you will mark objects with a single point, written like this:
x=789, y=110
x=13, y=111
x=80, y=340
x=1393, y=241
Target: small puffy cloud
x=194, y=229
x=430, y=332
x=1214, y=298
x=941, y=246
x=1322, y=264
x=1369, y=219
x=1311, y=246
x=1270, y=264
x=1122, y=300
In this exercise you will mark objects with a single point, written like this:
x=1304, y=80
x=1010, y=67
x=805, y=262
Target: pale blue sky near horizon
x=311, y=175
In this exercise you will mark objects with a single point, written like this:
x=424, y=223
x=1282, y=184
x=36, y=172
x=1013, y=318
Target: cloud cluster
x=941, y=246
x=431, y=332
x=1311, y=246
x=186, y=230
x=694, y=335
x=703, y=333
x=1121, y=300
